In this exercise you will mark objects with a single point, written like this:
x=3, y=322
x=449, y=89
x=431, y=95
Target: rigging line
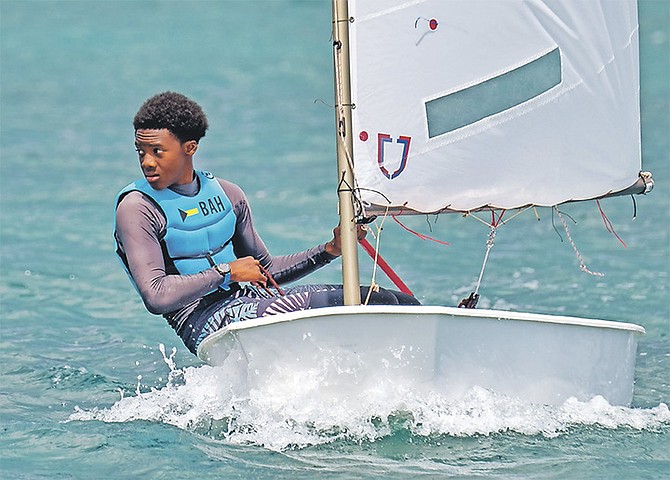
x=523, y=210
x=272, y=281
x=495, y=222
x=553, y=224
x=471, y=301
x=337, y=45
x=370, y=250
x=341, y=125
x=341, y=138
x=347, y=153
x=343, y=181
x=608, y=224
x=377, y=192
x=340, y=105
x=378, y=259
x=489, y=245
x=470, y=214
x=358, y=204
x=420, y=235
x=582, y=264
x=502, y=222
x=375, y=261
x=430, y=225
x=319, y=100
x=375, y=258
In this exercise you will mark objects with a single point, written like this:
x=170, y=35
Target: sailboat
x=467, y=106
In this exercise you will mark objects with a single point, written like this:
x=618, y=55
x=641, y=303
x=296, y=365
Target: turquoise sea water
x=87, y=389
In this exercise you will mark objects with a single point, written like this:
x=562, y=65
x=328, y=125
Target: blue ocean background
x=92, y=386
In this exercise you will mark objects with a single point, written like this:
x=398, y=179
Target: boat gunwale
x=500, y=315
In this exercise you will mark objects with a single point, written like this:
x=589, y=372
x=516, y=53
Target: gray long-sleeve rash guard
x=140, y=225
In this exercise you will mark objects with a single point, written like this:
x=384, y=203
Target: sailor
x=188, y=243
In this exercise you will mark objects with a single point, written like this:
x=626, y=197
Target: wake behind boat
x=463, y=107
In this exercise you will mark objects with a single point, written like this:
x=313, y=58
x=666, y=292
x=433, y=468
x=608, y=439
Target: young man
x=188, y=242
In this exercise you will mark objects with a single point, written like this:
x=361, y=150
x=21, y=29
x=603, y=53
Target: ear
x=190, y=147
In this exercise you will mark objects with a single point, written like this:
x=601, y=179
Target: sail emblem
x=432, y=23
x=390, y=153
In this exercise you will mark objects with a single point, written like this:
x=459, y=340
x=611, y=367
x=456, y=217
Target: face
x=165, y=161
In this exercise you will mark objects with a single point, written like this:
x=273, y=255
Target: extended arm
x=247, y=242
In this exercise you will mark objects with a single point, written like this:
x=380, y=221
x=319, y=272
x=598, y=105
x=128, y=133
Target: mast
x=350, y=278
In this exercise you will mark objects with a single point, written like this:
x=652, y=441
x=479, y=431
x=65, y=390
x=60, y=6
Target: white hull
x=537, y=358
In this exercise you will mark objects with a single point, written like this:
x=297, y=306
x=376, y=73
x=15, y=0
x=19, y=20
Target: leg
x=251, y=303
x=333, y=295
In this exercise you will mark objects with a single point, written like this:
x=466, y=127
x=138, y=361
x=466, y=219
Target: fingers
x=361, y=231
x=247, y=269
x=334, y=247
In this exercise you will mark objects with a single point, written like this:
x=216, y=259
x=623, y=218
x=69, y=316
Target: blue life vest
x=199, y=229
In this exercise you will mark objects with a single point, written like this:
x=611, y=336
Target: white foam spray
x=299, y=409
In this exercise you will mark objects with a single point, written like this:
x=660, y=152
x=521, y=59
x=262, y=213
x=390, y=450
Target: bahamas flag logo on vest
x=188, y=213
x=211, y=205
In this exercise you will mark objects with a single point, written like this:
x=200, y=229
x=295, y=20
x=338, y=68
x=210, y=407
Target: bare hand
x=334, y=247
x=247, y=269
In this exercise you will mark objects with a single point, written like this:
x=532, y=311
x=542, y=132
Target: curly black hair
x=180, y=115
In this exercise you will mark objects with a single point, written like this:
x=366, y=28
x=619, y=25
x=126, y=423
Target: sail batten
x=465, y=105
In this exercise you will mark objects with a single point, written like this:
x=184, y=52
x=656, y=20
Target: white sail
x=489, y=104
x=470, y=104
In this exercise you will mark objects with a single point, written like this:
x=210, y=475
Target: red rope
x=496, y=222
x=385, y=266
x=609, y=226
x=272, y=281
x=420, y=235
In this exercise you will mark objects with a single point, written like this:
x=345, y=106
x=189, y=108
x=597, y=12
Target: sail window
x=494, y=95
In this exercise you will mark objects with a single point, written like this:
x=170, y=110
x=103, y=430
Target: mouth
x=151, y=177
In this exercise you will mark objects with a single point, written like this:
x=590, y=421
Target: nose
x=147, y=161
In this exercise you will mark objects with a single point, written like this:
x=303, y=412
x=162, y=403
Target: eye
x=157, y=151
x=139, y=151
